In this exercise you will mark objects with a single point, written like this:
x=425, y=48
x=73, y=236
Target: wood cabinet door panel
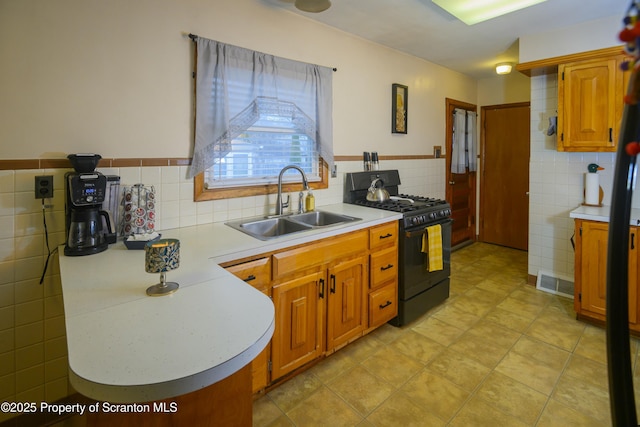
x=297, y=336
x=346, y=316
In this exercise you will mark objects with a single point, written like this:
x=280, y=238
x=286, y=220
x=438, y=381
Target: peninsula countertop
x=127, y=347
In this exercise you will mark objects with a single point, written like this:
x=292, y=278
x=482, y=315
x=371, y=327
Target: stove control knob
x=432, y=215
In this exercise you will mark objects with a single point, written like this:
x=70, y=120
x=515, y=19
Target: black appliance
x=418, y=289
x=621, y=392
x=89, y=228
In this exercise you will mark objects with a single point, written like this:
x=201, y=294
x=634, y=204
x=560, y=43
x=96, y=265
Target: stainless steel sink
x=322, y=218
x=270, y=228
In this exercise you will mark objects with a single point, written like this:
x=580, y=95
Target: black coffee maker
x=90, y=229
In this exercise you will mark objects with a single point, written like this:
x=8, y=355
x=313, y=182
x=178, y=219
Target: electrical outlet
x=44, y=187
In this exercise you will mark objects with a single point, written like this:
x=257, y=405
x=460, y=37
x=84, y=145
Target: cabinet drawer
x=323, y=252
x=383, y=305
x=257, y=273
x=384, y=266
x=383, y=235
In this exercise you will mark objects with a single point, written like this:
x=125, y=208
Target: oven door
x=414, y=275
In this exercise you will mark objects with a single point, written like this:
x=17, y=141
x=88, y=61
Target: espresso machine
x=90, y=228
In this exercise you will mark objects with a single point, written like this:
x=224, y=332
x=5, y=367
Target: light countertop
x=127, y=347
x=601, y=213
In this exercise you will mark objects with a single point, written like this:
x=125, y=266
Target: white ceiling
x=421, y=28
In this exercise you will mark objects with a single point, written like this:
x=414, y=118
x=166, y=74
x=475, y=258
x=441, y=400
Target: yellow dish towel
x=432, y=246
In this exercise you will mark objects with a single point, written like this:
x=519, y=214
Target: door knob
x=452, y=182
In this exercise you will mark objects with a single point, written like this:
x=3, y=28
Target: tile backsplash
x=33, y=351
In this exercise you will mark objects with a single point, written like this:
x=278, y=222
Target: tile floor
x=497, y=352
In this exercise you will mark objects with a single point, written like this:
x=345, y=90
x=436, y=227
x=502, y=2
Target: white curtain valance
x=233, y=84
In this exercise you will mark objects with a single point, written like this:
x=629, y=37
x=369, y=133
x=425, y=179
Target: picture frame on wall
x=399, y=97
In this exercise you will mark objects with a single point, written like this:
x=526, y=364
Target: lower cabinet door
x=346, y=302
x=297, y=336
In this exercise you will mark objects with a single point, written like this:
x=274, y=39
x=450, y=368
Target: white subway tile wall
x=556, y=185
x=33, y=350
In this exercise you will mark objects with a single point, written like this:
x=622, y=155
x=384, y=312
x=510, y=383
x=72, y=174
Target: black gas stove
x=418, y=289
x=416, y=210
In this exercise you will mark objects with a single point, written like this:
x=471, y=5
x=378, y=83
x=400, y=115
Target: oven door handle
x=420, y=232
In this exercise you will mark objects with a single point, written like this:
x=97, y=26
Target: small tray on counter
x=139, y=244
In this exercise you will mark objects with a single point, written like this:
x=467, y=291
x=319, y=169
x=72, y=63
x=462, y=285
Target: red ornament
x=632, y=148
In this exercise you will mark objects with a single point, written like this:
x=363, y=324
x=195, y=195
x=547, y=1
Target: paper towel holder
x=600, y=198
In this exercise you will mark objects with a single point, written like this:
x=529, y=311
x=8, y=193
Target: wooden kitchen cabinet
x=326, y=294
x=383, y=282
x=257, y=273
x=590, y=104
x=297, y=338
x=591, y=269
x=346, y=302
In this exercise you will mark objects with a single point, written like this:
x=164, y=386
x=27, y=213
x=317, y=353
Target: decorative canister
x=139, y=209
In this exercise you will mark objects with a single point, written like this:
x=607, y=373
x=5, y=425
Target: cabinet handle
x=250, y=278
x=387, y=267
x=321, y=288
x=388, y=303
x=386, y=235
x=633, y=237
x=332, y=289
x=610, y=134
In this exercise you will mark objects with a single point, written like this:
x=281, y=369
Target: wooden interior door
x=460, y=188
x=504, y=182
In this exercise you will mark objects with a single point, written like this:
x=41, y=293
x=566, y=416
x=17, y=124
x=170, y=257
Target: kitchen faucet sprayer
x=305, y=184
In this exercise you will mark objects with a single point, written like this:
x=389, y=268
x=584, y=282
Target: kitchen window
x=255, y=114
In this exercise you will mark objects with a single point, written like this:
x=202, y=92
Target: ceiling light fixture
x=473, y=11
x=504, y=67
x=313, y=6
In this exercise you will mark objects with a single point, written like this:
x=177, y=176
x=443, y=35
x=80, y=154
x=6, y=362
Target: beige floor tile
x=392, y=366
x=528, y=309
x=439, y=331
x=361, y=389
x=478, y=413
x=294, y=391
x=362, y=348
x=435, y=394
x=498, y=335
x=454, y=315
x=592, y=344
x=324, y=408
x=554, y=357
x=554, y=328
x=529, y=371
x=460, y=370
x=497, y=286
x=512, y=397
x=509, y=319
x=417, y=347
x=584, y=397
x=399, y=410
x=473, y=305
x=387, y=333
x=558, y=415
x=336, y=364
x=265, y=411
x=480, y=349
x=587, y=370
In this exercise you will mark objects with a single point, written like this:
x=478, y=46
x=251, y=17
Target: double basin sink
x=272, y=227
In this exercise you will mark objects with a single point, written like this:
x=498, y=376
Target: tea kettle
x=376, y=192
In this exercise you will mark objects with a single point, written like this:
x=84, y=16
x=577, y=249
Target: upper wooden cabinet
x=590, y=104
x=591, y=87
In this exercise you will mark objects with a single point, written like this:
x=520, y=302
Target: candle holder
x=161, y=256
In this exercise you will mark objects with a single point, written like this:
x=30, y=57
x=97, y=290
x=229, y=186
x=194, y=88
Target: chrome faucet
x=305, y=184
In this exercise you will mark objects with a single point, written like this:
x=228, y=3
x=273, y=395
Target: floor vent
x=555, y=284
